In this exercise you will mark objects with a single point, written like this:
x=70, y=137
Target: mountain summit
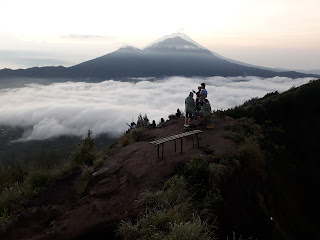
x=171, y=55
x=176, y=45
x=174, y=35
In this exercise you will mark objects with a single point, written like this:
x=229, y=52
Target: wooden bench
x=162, y=141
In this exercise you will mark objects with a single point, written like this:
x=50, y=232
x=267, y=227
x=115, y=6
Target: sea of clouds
x=72, y=108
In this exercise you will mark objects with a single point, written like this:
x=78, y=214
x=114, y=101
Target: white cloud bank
x=72, y=108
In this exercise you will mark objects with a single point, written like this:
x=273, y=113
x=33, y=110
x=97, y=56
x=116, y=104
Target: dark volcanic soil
x=134, y=169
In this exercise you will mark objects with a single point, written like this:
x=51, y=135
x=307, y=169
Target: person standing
x=197, y=98
x=203, y=94
x=190, y=108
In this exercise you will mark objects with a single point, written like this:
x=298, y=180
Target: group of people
x=199, y=107
x=133, y=125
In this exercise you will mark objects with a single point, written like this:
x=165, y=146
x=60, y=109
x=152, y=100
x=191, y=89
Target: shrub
x=241, y=130
x=132, y=136
x=82, y=184
x=40, y=178
x=84, y=154
x=172, y=116
x=217, y=173
x=168, y=214
x=129, y=231
x=143, y=121
x=191, y=230
x=252, y=157
x=197, y=173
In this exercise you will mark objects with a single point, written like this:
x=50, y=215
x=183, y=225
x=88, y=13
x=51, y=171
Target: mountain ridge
x=173, y=55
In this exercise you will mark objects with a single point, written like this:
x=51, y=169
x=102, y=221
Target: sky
x=72, y=108
x=273, y=33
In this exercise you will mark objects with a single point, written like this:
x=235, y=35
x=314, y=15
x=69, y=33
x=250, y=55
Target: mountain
x=313, y=71
x=173, y=55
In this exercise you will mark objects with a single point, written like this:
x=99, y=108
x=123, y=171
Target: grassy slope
x=272, y=174
x=290, y=129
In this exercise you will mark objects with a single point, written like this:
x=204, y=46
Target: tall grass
x=186, y=206
x=131, y=137
x=167, y=214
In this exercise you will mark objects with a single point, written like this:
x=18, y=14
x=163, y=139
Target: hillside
x=260, y=181
x=290, y=128
x=57, y=214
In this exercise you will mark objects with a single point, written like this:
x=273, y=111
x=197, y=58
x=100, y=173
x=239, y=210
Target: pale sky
x=273, y=33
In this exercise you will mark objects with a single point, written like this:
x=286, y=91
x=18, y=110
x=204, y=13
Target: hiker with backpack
x=190, y=108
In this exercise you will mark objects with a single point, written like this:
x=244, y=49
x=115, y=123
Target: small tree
x=84, y=154
x=142, y=121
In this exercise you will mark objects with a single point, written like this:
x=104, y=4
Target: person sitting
x=131, y=126
x=190, y=108
x=178, y=113
x=153, y=124
x=162, y=123
x=206, y=109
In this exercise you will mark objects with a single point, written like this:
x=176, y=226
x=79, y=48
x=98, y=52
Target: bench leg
x=158, y=150
x=175, y=146
x=181, y=145
x=162, y=149
x=198, y=140
x=192, y=141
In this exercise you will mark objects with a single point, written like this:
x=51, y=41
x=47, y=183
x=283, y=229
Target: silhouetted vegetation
x=36, y=164
x=143, y=121
x=288, y=138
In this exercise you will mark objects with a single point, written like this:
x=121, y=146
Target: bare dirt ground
x=133, y=170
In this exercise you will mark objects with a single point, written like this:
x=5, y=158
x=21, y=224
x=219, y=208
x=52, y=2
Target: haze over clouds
x=72, y=108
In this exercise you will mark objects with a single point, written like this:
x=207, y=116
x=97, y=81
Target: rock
x=208, y=150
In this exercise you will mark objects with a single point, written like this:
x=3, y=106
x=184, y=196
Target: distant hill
x=173, y=55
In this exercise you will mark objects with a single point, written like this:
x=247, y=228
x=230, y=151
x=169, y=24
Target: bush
x=241, y=130
x=84, y=154
x=82, y=184
x=142, y=121
x=197, y=173
x=168, y=214
x=132, y=136
x=191, y=230
x=39, y=179
x=172, y=117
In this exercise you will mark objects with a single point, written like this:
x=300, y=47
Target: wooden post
x=162, y=149
x=197, y=140
x=192, y=140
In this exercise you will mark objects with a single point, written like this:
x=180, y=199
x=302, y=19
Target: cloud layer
x=72, y=108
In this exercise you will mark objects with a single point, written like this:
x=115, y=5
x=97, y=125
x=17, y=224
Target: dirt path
x=117, y=184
